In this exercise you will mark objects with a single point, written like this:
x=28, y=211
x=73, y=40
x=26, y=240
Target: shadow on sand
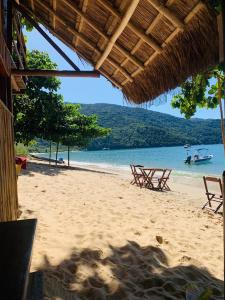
x=52, y=170
x=129, y=272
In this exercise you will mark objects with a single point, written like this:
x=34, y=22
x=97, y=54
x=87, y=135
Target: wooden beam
x=32, y=4
x=84, y=17
x=133, y=5
x=52, y=73
x=140, y=33
x=195, y=10
x=44, y=34
x=187, y=19
x=154, y=22
x=84, y=7
x=167, y=13
x=84, y=39
x=19, y=36
x=112, y=80
x=53, y=17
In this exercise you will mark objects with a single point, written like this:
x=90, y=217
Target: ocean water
x=162, y=157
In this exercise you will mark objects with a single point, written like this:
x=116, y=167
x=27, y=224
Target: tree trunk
x=50, y=152
x=56, y=154
x=221, y=111
x=68, y=156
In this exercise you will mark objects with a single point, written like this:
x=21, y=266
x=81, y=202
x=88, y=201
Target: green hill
x=138, y=127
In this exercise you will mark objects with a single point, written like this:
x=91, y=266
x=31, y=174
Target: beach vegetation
x=205, y=90
x=41, y=112
x=135, y=127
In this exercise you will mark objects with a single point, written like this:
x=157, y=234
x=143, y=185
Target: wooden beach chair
x=215, y=198
x=137, y=175
x=164, y=179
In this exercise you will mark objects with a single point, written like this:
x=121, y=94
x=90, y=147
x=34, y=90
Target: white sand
x=97, y=235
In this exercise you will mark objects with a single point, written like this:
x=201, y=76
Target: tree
x=35, y=110
x=78, y=129
x=203, y=90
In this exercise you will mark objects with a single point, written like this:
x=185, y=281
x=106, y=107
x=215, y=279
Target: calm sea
x=163, y=157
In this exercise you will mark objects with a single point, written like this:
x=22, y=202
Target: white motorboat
x=201, y=156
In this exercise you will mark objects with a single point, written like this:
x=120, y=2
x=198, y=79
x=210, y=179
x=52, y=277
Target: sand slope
x=99, y=237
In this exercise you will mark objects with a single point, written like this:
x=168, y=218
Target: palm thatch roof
x=144, y=47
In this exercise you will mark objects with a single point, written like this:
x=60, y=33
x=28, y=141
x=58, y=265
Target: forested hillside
x=138, y=127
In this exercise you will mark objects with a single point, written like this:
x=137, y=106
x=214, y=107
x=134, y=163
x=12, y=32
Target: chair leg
x=218, y=207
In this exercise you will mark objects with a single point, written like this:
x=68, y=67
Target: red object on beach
x=21, y=160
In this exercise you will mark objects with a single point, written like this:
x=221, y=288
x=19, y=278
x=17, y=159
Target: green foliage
x=216, y=4
x=80, y=129
x=21, y=149
x=138, y=127
x=36, y=111
x=200, y=91
x=41, y=112
x=25, y=24
x=206, y=294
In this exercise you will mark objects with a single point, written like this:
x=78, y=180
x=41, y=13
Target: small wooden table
x=155, y=178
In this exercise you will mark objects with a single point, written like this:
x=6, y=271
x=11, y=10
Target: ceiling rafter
x=32, y=4
x=85, y=40
x=101, y=33
x=165, y=11
x=53, y=17
x=126, y=18
x=140, y=33
x=187, y=19
x=83, y=9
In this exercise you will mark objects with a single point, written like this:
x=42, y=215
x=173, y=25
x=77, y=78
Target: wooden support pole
x=52, y=73
x=44, y=34
x=167, y=13
x=118, y=32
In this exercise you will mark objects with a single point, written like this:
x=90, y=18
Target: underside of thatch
x=144, y=47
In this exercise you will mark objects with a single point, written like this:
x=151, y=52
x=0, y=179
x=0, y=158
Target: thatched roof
x=144, y=47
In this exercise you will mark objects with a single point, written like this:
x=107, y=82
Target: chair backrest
x=135, y=169
x=207, y=179
x=167, y=173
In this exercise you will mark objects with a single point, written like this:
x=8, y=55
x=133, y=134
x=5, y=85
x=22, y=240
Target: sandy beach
x=99, y=237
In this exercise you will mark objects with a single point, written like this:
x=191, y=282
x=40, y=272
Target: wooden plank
x=117, y=33
x=16, y=240
x=50, y=73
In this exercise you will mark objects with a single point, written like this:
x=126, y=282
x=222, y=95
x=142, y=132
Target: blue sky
x=96, y=90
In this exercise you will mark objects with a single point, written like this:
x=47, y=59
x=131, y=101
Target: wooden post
x=50, y=151
x=9, y=46
x=68, y=156
x=56, y=154
x=222, y=58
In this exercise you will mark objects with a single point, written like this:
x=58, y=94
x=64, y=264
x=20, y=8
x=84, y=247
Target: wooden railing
x=8, y=182
x=5, y=58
